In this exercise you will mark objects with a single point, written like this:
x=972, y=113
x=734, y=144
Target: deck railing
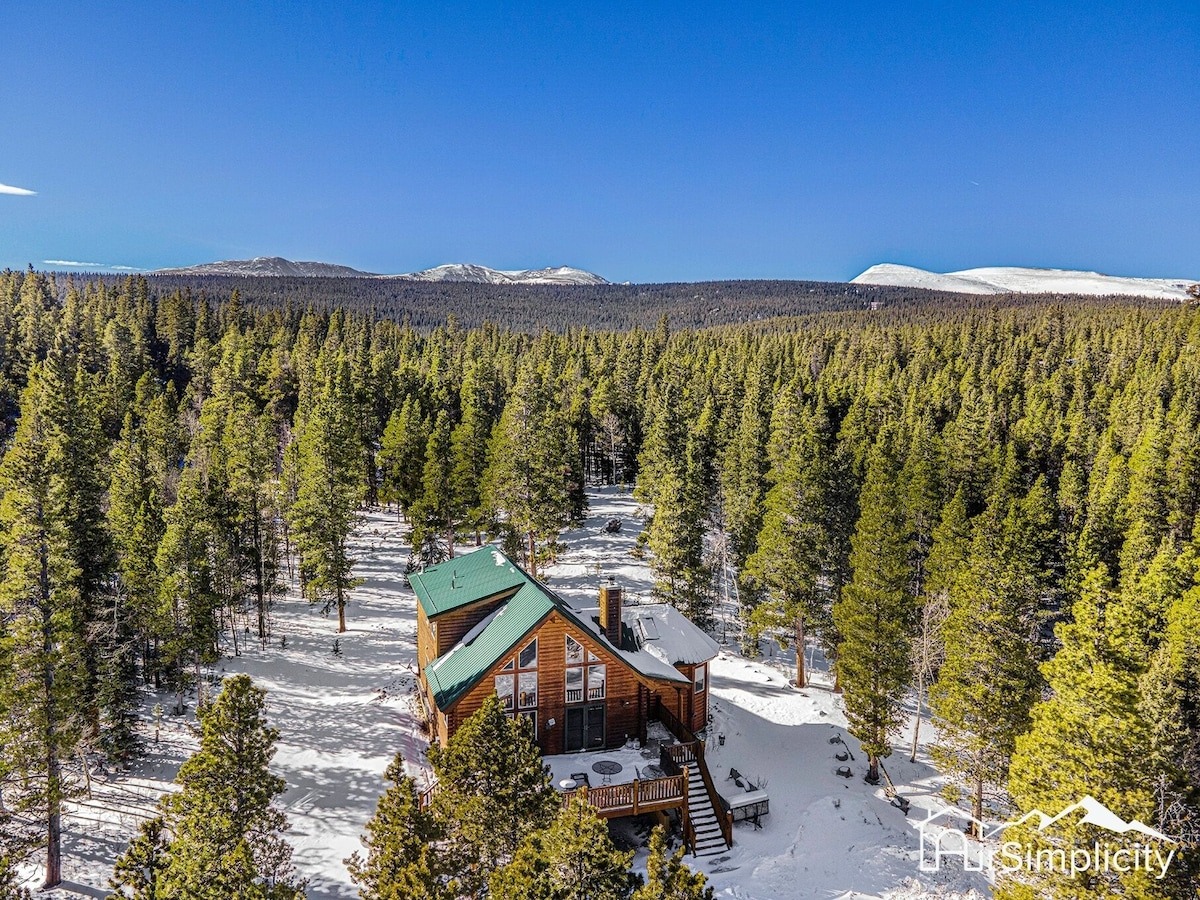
x=637, y=796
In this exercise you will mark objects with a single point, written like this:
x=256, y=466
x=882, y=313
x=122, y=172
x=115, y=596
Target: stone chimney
x=610, y=612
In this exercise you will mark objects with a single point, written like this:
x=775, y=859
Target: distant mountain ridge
x=485, y=275
x=278, y=266
x=1019, y=280
x=268, y=266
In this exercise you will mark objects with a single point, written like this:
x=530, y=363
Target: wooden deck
x=636, y=797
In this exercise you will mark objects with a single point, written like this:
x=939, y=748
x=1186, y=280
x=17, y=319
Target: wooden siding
x=695, y=710
x=625, y=700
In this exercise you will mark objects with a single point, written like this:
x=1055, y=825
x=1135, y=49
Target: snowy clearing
x=342, y=716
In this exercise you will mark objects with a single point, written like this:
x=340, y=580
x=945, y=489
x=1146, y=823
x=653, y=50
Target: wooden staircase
x=707, y=825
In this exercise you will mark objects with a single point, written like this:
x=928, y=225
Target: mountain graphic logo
x=1095, y=813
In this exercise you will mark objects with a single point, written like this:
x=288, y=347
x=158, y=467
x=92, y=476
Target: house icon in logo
x=944, y=833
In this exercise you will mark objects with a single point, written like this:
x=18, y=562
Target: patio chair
x=581, y=778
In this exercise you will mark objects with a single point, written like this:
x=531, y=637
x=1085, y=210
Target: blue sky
x=644, y=141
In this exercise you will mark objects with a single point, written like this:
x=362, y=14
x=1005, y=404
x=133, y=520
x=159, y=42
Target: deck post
x=687, y=818
x=635, y=796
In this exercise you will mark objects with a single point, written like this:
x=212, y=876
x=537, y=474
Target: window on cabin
x=701, y=677
x=504, y=690
x=508, y=666
x=597, y=678
x=592, y=657
x=527, y=690
x=529, y=656
x=575, y=684
x=574, y=651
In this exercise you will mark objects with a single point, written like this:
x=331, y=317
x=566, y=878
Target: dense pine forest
x=993, y=508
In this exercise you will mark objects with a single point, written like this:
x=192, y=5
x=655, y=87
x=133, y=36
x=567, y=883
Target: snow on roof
x=665, y=632
x=649, y=664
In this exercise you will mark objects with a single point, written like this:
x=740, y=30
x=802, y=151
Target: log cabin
x=586, y=678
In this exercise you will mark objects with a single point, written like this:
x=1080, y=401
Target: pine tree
x=138, y=872
x=668, y=877
x=493, y=789
x=401, y=455
x=439, y=510
x=402, y=858
x=988, y=680
x=789, y=561
x=526, y=483
x=43, y=683
x=1080, y=743
x=573, y=859
x=874, y=615
x=187, y=594
x=946, y=562
x=329, y=492
x=225, y=833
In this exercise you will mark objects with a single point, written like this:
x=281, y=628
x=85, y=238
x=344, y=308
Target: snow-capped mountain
x=1017, y=280
x=486, y=275
x=267, y=265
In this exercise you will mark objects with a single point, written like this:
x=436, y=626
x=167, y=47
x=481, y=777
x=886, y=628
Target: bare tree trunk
x=801, y=679
x=912, y=757
x=53, y=764
x=872, y=769
x=532, y=555
x=977, y=806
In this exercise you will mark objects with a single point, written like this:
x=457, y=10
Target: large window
x=574, y=651
x=575, y=684
x=504, y=690
x=596, y=676
x=701, y=678
x=529, y=656
x=527, y=690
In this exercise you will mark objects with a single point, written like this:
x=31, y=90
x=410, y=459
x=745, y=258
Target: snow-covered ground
x=342, y=716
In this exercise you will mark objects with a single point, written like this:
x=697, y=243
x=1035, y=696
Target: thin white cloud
x=20, y=192
x=75, y=264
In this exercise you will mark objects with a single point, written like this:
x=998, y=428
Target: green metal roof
x=484, y=573
x=464, y=580
x=458, y=670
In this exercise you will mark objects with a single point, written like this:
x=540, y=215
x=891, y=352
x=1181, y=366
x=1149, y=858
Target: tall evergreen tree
x=223, y=832
x=526, y=482
x=988, y=680
x=329, y=492
x=573, y=859
x=402, y=861
x=43, y=684
x=493, y=790
x=874, y=615
x=668, y=877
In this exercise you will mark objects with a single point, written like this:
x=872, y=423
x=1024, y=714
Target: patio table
x=607, y=768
